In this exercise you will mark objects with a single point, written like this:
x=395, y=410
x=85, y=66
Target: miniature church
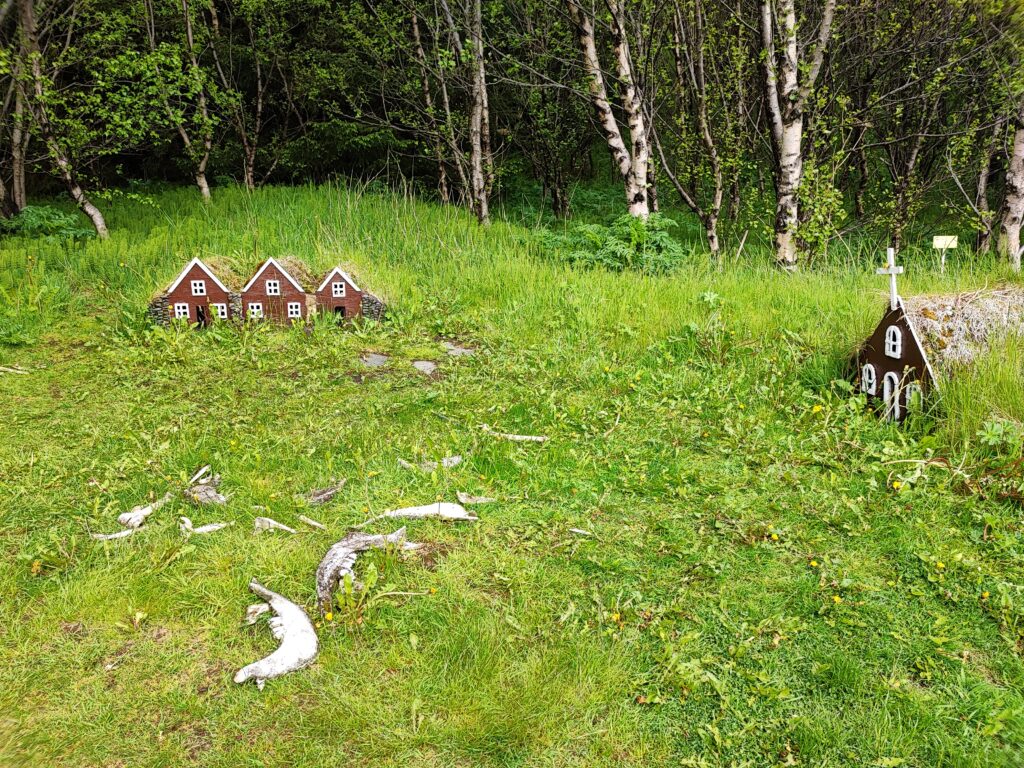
x=925, y=338
x=280, y=290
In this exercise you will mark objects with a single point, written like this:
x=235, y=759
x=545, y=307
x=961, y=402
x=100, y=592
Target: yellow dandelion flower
x=814, y=563
x=775, y=537
x=837, y=599
x=615, y=617
x=984, y=595
x=741, y=406
x=817, y=409
x=329, y=616
x=940, y=565
x=37, y=567
x=896, y=485
x=433, y=590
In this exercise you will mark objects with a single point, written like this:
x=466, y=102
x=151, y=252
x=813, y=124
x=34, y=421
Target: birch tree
x=791, y=70
x=632, y=161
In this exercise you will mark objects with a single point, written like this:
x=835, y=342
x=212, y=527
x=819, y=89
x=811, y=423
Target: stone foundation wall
x=159, y=311
x=372, y=307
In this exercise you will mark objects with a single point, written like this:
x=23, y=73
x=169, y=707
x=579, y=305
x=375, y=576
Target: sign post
x=943, y=243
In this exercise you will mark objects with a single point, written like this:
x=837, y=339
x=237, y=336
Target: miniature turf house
x=339, y=295
x=281, y=290
x=277, y=292
x=924, y=338
x=198, y=295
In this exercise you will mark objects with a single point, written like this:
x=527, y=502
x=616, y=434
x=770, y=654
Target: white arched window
x=868, y=379
x=893, y=341
x=891, y=396
x=914, y=397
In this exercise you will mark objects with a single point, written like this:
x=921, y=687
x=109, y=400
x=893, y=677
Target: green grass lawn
x=755, y=592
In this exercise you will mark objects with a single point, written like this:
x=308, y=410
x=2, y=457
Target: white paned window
x=255, y=309
x=181, y=311
x=294, y=309
x=198, y=287
x=914, y=397
x=893, y=341
x=273, y=287
x=338, y=290
x=891, y=395
x=868, y=379
x=221, y=310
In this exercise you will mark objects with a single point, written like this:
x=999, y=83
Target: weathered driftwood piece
x=269, y=524
x=429, y=466
x=444, y=510
x=254, y=611
x=514, y=438
x=137, y=516
x=111, y=536
x=323, y=495
x=312, y=523
x=466, y=498
x=187, y=528
x=293, y=628
x=340, y=559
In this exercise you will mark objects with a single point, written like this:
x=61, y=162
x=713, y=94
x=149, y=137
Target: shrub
x=627, y=243
x=47, y=222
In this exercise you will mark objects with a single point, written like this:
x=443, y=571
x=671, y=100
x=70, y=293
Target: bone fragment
x=429, y=466
x=187, y=528
x=290, y=625
x=312, y=523
x=111, y=536
x=341, y=558
x=269, y=523
x=466, y=498
x=514, y=438
x=137, y=516
x=444, y=510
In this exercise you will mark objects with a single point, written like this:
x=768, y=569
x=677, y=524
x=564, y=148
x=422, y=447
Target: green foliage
x=628, y=243
x=47, y=222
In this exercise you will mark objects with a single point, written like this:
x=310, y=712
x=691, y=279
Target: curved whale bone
x=270, y=524
x=340, y=559
x=444, y=510
x=514, y=438
x=202, y=488
x=312, y=523
x=291, y=626
x=187, y=528
x=137, y=515
x=429, y=466
x=254, y=611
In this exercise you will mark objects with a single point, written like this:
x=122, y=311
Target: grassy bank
x=770, y=577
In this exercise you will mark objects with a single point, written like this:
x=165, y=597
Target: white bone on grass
x=292, y=627
x=466, y=498
x=269, y=524
x=111, y=536
x=187, y=528
x=137, y=515
x=443, y=510
x=340, y=559
x=312, y=523
x=514, y=438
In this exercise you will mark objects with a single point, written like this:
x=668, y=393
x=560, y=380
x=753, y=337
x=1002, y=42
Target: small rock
x=456, y=351
x=424, y=366
x=374, y=360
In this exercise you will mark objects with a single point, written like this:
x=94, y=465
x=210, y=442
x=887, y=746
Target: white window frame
x=255, y=310
x=869, y=379
x=893, y=342
x=913, y=396
x=198, y=287
x=338, y=289
x=294, y=310
x=891, y=396
x=182, y=311
x=221, y=311
x=273, y=287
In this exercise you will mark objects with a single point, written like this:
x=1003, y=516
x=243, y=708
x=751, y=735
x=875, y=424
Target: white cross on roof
x=891, y=270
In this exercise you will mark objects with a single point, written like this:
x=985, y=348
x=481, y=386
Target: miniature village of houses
x=282, y=290
x=921, y=338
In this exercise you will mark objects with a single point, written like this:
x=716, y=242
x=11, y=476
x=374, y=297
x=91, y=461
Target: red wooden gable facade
x=198, y=296
x=339, y=295
x=273, y=293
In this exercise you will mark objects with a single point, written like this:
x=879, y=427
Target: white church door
x=891, y=396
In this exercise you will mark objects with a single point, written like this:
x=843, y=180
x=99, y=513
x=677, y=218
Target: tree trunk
x=19, y=146
x=636, y=188
x=1013, y=206
x=789, y=174
x=479, y=123
x=428, y=103
x=57, y=153
x=638, y=192
x=983, y=242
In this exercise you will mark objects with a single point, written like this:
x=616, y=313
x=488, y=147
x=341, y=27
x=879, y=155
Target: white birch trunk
x=1013, y=206
x=479, y=122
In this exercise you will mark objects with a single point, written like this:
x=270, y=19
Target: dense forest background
x=843, y=114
